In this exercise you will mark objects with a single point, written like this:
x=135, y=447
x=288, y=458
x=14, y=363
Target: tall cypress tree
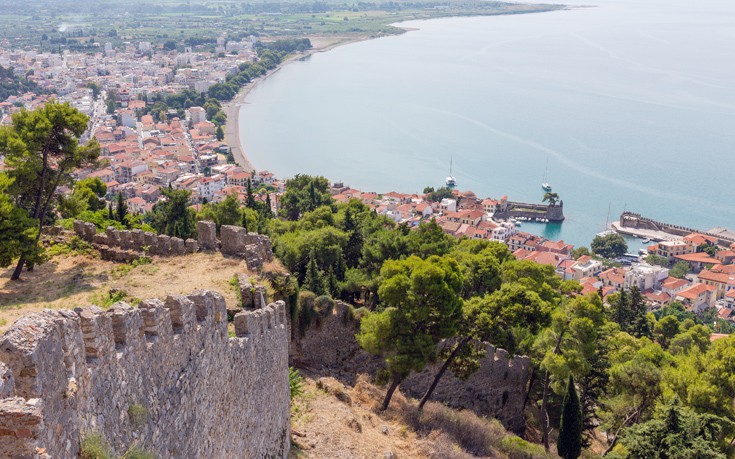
x=569, y=444
x=314, y=279
x=250, y=202
x=121, y=210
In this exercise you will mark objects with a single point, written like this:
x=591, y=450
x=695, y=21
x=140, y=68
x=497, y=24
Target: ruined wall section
x=497, y=389
x=127, y=245
x=195, y=392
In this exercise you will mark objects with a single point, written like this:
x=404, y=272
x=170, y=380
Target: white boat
x=450, y=180
x=646, y=241
x=545, y=185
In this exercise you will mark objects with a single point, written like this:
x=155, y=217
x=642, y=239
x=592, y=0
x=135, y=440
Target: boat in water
x=450, y=180
x=545, y=184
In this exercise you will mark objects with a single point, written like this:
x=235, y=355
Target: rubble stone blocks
x=113, y=238
x=163, y=247
x=177, y=246
x=192, y=246
x=126, y=240
x=64, y=373
x=138, y=238
x=233, y=239
x=151, y=240
x=89, y=231
x=207, y=232
x=79, y=228
x=100, y=239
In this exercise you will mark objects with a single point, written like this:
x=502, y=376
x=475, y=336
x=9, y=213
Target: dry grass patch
x=328, y=426
x=69, y=281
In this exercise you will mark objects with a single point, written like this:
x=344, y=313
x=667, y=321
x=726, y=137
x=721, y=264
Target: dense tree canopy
x=41, y=151
x=609, y=246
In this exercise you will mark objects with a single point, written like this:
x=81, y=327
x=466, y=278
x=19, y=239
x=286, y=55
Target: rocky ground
x=331, y=420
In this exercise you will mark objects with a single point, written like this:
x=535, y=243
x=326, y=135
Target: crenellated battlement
x=124, y=245
x=82, y=369
x=636, y=220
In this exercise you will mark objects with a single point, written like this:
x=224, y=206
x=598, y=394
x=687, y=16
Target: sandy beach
x=232, y=108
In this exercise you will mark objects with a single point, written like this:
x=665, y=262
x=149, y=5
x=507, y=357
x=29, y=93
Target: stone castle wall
x=635, y=220
x=127, y=245
x=195, y=392
x=497, y=389
x=553, y=213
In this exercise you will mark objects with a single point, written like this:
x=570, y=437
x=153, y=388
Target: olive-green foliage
x=75, y=246
x=227, y=212
x=101, y=220
x=438, y=195
x=609, y=246
x=106, y=300
x=677, y=432
x=679, y=270
x=304, y=193
x=41, y=150
x=173, y=216
x=421, y=306
x=17, y=230
x=138, y=414
x=135, y=452
x=295, y=382
x=94, y=446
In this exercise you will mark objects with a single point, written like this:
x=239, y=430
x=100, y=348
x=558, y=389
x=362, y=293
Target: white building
x=645, y=276
x=448, y=205
x=586, y=266
x=503, y=231
x=197, y=115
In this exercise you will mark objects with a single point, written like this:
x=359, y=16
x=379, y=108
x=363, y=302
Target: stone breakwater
x=497, y=389
x=164, y=376
x=124, y=245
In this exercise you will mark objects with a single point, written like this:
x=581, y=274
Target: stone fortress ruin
x=164, y=377
x=127, y=245
x=167, y=378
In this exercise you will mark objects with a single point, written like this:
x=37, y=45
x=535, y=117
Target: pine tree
x=110, y=214
x=569, y=443
x=313, y=280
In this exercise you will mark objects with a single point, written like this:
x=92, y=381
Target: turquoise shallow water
x=631, y=102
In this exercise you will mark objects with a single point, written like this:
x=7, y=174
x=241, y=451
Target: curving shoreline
x=232, y=108
x=320, y=44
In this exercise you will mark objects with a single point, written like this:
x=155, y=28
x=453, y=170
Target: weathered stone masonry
x=65, y=373
x=497, y=389
x=127, y=245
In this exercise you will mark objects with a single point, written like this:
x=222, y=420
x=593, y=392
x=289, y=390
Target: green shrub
x=138, y=414
x=105, y=300
x=295, y=382
x=94, y=446
x=323, y=305
x=75, y=246
x=136, y=452
x=518, y=448
x=140, y=261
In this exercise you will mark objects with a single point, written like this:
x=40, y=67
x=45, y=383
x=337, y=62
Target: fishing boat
x=450, y=180
x=545, y=184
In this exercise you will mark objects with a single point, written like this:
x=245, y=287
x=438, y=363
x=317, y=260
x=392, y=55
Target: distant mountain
x=13, y=85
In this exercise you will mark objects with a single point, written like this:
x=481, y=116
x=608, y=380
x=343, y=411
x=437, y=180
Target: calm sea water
x=631, y=102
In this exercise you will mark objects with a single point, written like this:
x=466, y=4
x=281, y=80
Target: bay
x=632, y=103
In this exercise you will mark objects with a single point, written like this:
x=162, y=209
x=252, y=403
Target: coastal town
x=143, y=152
